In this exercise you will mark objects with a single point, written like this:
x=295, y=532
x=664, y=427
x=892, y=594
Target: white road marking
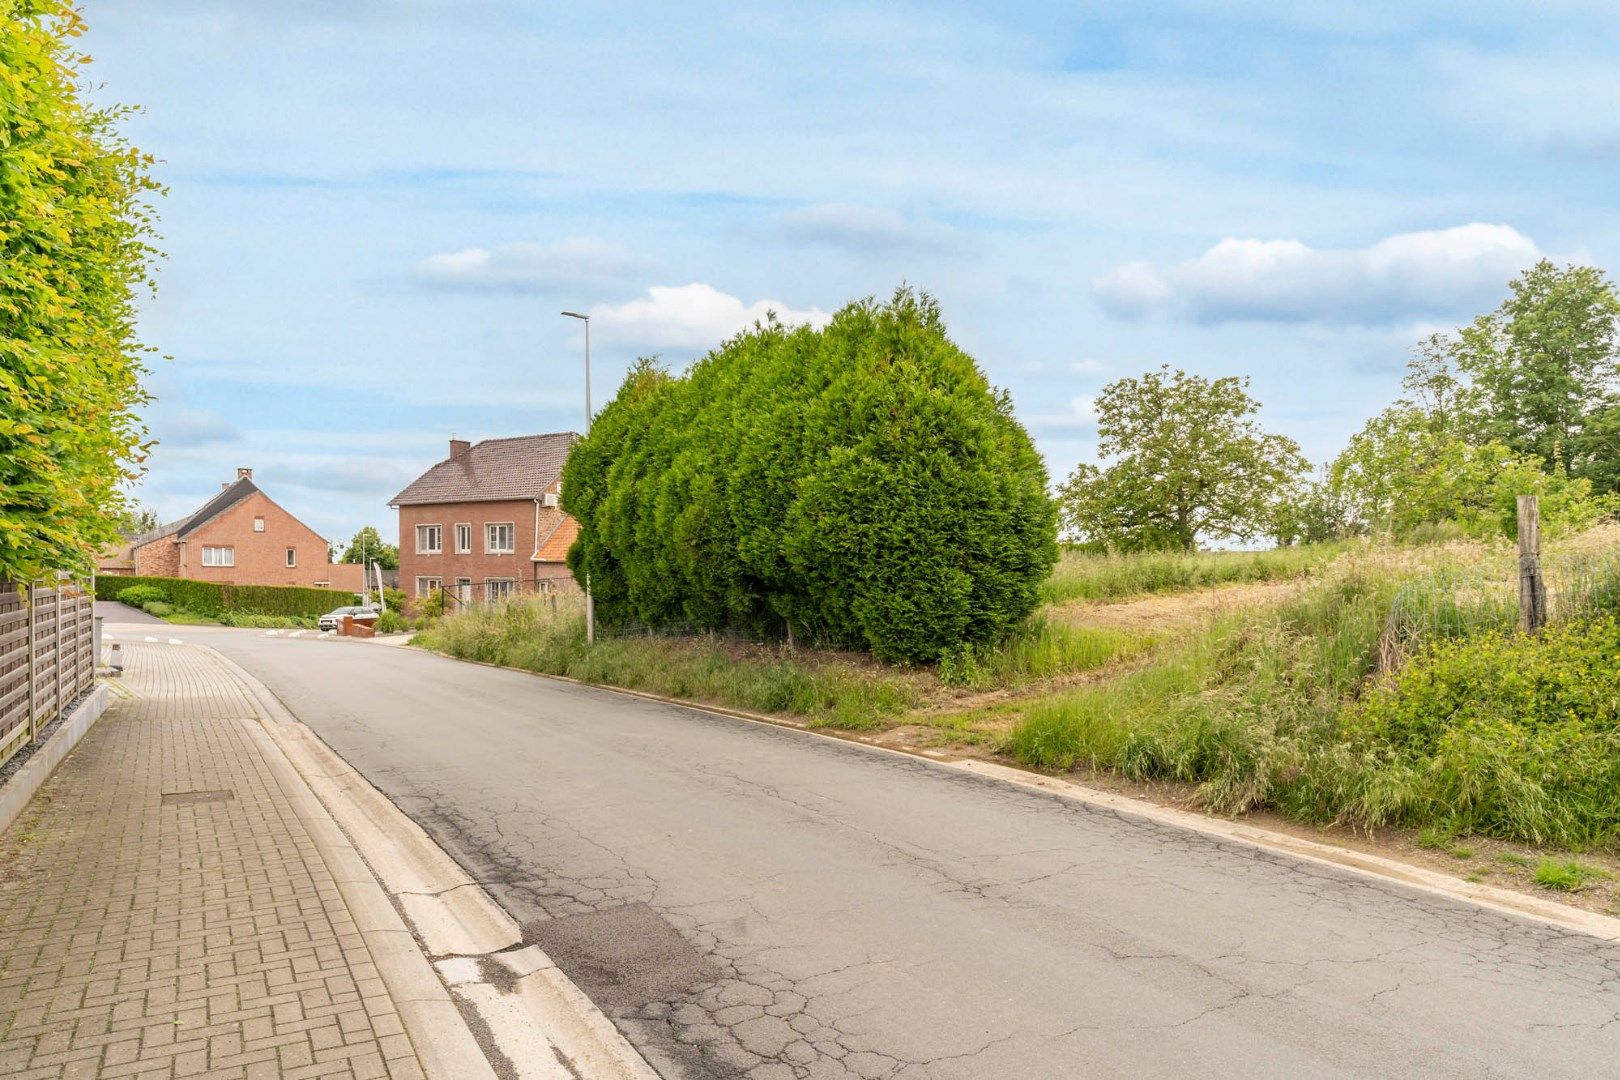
x=151, y=639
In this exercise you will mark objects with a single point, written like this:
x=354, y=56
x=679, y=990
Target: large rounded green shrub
x=141, y=595
x=861, y=485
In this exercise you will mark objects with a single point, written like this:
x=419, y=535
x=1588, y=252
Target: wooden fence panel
x=47, y=658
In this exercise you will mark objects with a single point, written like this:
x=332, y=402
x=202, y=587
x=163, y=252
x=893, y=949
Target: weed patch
x=1565, y=875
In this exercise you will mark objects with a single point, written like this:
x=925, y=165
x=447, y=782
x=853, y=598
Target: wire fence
x=1481, y=600
x=468, y=595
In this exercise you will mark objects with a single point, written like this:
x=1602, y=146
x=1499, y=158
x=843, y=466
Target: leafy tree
x=74, y=248
x=1435, y=455
x=1189, y=461
x=860, y=485
x=136, y=519
x=1313, y=513
x=1544, y=363
x=367, y=544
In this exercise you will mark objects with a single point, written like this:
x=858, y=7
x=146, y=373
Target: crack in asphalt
x=861, y=915
x=753, y=1021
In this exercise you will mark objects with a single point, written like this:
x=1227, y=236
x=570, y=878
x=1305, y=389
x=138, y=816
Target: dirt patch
x=1171, y=611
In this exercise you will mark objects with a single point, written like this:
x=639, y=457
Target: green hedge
x=862, y=485
x=212, y=598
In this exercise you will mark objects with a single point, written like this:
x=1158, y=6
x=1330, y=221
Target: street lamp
x=590, y=605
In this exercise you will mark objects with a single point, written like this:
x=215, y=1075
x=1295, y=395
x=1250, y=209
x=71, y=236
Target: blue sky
x=377, y=208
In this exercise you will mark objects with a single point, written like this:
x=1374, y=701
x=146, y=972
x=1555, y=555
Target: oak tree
x=1186, y=461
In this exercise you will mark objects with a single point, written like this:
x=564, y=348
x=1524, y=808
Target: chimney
x=244, y=474
x=458, y=447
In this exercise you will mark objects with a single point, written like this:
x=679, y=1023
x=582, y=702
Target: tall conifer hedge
x=861, y=485
x=75, y=248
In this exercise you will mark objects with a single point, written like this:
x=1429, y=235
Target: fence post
x=33, y=683
x=1532, y=589
x=57, y=667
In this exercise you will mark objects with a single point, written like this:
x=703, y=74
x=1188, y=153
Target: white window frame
x=213, y=555
x=463, y=546
x=258, y=524
x=489, y=537
x=292, y=557
x=507, y=588
x=464, y=588
x=438, y=539
x=427, y=586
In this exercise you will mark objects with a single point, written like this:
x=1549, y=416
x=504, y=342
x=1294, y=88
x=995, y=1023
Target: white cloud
x=695, y=316
x=576, y=260
x=866, y=230
x=1088, y=367
x=1402, y=277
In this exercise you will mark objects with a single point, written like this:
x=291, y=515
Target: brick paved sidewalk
x=164, y=911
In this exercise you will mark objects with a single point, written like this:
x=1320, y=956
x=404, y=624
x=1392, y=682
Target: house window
x=429, y=539
x=258, y=524
x=427, y=586
x=497, y=588
x=464, y=538
x=500, y=538
x=292, y=556
x=464, y=589
x=219, y=556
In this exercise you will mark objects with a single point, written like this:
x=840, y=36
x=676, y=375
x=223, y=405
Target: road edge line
x=445, y=913
x=1361, y=863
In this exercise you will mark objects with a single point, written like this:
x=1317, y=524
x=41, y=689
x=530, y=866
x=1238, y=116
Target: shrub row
x=859, y=486
x=213, y=598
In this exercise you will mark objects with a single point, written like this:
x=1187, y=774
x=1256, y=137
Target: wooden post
x=33, y=686
x=1532, y=589
x=60, y=703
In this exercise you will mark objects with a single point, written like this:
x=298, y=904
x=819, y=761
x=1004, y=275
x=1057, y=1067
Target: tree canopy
x=368, y=544
x=1544, y=363
x=75, y=234
x=860, y=485
x=1520, y=401
x=1188, y=461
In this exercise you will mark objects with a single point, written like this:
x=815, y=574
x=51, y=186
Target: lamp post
x=590, y=606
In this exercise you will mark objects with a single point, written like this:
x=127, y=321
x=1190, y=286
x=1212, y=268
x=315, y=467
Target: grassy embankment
x=1280, y=701
x=1058, y=646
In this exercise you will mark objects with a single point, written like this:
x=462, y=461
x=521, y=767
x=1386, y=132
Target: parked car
x=365, y=613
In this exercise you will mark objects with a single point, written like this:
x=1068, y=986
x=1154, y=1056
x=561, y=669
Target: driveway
x=752, y=901
x=113, y=612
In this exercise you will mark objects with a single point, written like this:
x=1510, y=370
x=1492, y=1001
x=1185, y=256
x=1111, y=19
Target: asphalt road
x=750, y=901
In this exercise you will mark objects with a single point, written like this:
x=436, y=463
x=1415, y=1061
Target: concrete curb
x=1365, y=864
x=534, y=1013
x=438, y=1032
x=26, y=781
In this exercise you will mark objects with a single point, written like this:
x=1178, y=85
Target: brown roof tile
x=495, y=469
x=228, y=497
x=554, y=548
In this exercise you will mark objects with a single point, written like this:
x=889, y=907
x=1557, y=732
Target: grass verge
x=1495, y=735
x=534, y=636
x=1083, y=576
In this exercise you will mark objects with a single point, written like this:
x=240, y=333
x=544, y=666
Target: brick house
x=485, y=523
x=242, y=537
